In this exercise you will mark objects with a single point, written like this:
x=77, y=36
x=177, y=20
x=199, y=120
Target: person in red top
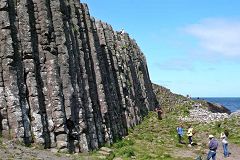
x=159, y=112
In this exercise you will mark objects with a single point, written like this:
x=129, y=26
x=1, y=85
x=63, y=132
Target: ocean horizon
x=231, y=103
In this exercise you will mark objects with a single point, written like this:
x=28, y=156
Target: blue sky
x=192, y=46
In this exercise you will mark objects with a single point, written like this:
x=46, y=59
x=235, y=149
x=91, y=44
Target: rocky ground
x=11, y=150
x=203, y=116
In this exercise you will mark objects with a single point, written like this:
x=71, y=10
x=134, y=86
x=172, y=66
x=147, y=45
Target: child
x=180, y=133
x=190, y=134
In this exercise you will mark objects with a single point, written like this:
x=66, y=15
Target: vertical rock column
x=50, y=84
x=129, y=82
x=10, y=74
x=140, y=97
x=82, y=85
x=113, y=114
x=96, y=88
x=111, y=74
x=5, y=48
x=101, y=81
x=123, y=50
x=32, y=75
x=30, y=101
x=69, y=64
x=56, y=53
x=40, y=25
x=89, y=99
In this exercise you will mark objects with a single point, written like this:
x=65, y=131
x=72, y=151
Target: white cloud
x=217, y=36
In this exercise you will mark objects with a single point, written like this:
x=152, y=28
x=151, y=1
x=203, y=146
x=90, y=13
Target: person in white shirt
x=224, y=137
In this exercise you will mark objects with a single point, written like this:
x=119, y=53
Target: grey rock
x=106, y=149
x=104, y=153
x=204, y=116
x=68, y=81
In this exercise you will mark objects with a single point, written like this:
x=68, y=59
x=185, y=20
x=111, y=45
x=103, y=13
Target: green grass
x=216, y=128
x=152, y=139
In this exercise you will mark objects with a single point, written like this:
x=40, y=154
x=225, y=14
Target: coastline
x=231, y=103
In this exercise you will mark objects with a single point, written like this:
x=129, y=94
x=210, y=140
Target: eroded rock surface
x=66, y=80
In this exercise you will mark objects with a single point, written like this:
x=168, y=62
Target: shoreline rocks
x=235, y=114
x=204, y=116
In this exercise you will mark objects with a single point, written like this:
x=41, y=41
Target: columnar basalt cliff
x=66, y=80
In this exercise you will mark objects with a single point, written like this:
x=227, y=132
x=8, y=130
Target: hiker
x=190, y=134
x=180, y=133
x=159, y=112
x=224, y=137
x=213, y=145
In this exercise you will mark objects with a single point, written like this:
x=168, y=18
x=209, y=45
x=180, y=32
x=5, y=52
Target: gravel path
x=234, y=149
x=191, y=152
x=9, y=150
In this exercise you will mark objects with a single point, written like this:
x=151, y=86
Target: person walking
x=159, y=112
x=212, y=145
x=224, y=137
x=190, y=134
x=180, y=133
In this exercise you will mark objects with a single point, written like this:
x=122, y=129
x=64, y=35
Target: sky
x=192, y=47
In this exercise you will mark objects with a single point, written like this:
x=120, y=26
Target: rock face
x=216, y=108
x=168, y=100
x=66, y=80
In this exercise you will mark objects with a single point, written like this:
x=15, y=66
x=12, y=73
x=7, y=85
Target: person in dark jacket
x=213, y=145
x=159, y=112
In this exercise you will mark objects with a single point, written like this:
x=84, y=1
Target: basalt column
x=67, y=80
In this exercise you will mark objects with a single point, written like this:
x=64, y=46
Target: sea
x=232, y=103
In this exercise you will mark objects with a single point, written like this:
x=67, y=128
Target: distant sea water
x=232, y=103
